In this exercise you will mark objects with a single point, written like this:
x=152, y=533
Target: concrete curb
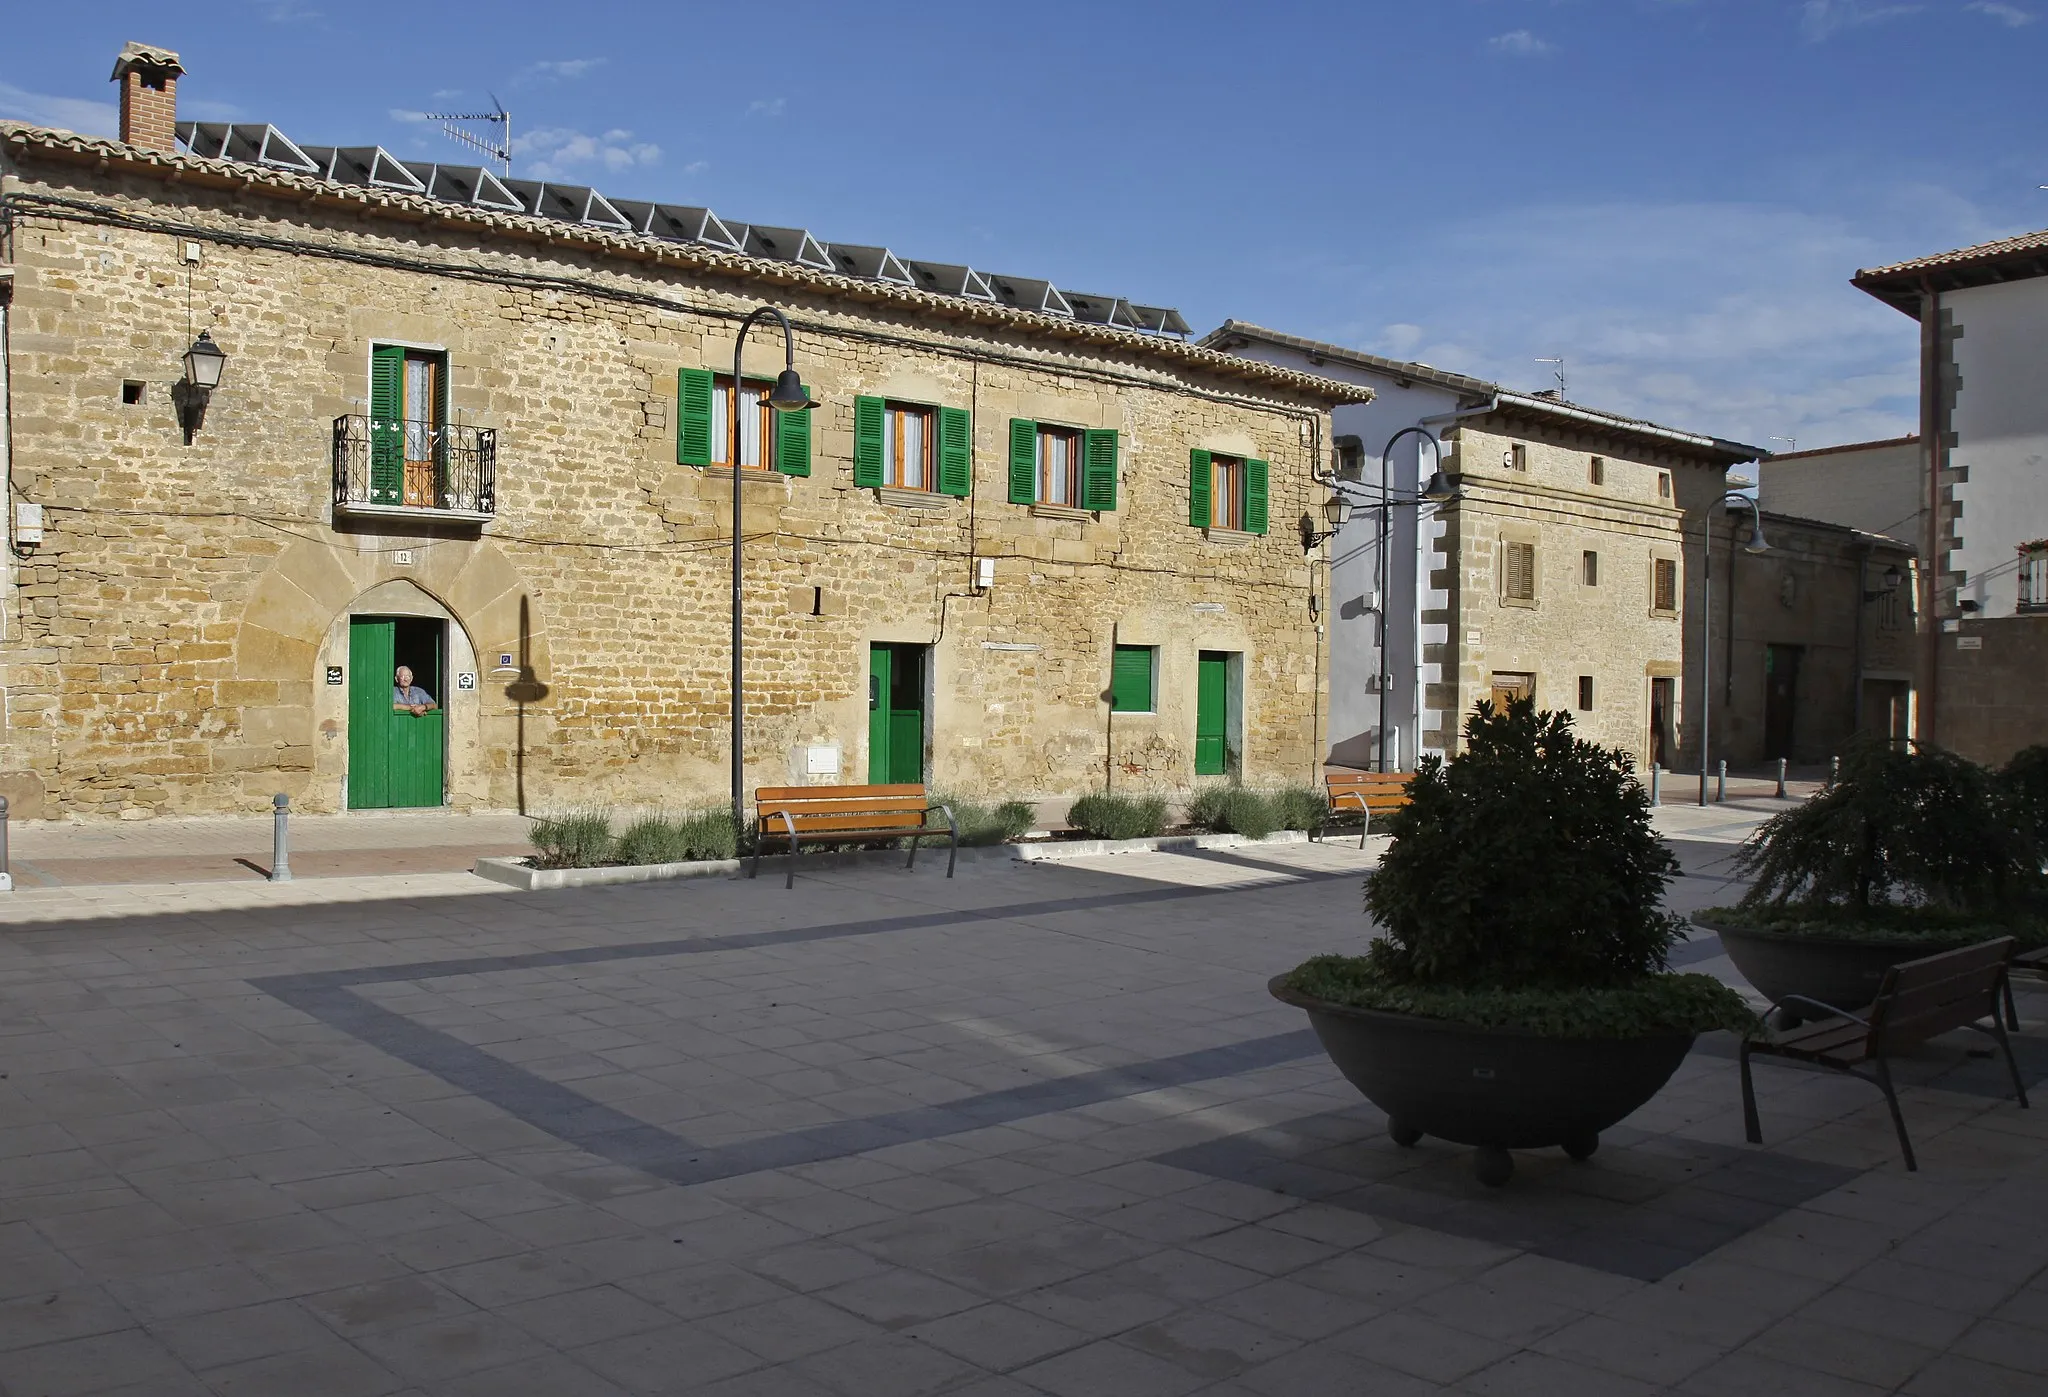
x=515, y=873
x=1053, y=851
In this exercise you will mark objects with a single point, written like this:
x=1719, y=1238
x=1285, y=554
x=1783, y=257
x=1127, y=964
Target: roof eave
x=73, y=147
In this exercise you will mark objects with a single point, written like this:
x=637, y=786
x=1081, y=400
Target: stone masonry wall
x=174, y=627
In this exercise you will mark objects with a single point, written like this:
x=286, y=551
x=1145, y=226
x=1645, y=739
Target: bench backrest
x=1379, y=790
x=822, y=809
x=1919, y=999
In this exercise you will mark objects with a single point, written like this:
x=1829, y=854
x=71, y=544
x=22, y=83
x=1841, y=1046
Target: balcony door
x=395, y=756
x=408, y=414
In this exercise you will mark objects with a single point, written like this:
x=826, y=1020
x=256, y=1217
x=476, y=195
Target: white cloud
x=64, y=113
x=561, y=69
x=1520, y=43
x=2011, y=16
x=696, y=167
x=769, y=106
x=1823, y=19
x=401, y=114
x=1735, y=319
x=556, y=151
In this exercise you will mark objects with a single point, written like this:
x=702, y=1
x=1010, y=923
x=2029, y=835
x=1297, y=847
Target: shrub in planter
x=1110, y=815
x=575, y=839
x=1233, y=810
x=2023, y=781
x=1913, y=851
x=1519, y=995
x=690, y=837
x=1300, y=807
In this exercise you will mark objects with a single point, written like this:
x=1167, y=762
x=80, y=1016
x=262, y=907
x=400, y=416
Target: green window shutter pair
x=1130, y=679
x=387, y=424
x=1023, y=461
x=1201, y=508
x=695, y=391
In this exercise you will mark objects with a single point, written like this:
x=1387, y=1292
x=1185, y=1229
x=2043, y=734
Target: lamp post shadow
x=526, y=689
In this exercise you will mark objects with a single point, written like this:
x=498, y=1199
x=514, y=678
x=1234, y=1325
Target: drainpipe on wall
x=1931, y=445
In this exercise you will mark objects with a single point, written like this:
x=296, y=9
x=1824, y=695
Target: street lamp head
x=204, y=362
x=1756, y=542
x=1893, y=578
x=1439, y=490
x=788, y=394
x=1337, y=511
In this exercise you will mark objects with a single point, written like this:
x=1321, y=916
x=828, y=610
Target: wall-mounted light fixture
x=1892, y=578
x=204, y=363
x=1336, y=511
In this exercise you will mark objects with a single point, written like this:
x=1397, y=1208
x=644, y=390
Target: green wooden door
x=394, y=759
x=895, y=714
x=1212, y=704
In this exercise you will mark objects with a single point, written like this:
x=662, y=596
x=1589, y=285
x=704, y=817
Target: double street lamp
x=787, y=395
x=1756, y=544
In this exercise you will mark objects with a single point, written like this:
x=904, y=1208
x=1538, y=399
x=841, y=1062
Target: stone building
x=1877, y=487
x=477, y=426
x=1564, y=568
x=1982, y=317
x=1814, y=640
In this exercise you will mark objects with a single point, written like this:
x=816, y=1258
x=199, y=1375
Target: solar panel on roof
x=373, y=166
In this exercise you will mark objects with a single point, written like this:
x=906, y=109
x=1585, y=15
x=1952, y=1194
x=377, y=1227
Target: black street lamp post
x=1756, y=544
x=787, y=395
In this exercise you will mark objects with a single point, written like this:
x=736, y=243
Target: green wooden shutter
x=793, y=440
x=441, y=432
x=1198, y=489
x=1098, y=470
x=1212, y=713
x=1130, y=679
x=1023, y=461
x=387, y=424
x=369, y=713
x=1255, y=497
x=867, y=441
x=694, y=388
x=956, y=451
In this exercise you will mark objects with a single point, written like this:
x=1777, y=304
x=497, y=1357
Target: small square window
x=1596, y=471
x=1518, y=457
x=1589, y=563
x=131, y=392
x=1585, y=693
x=1132, y=671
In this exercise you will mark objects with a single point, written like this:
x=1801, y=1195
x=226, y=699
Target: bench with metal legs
x=848, y=814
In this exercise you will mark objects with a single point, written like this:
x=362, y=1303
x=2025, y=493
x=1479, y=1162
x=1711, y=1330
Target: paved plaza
x=1035, y=1130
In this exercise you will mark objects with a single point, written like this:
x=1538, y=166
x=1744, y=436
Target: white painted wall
x=1878, y=489
x=2000, y=426
x=1352, y=726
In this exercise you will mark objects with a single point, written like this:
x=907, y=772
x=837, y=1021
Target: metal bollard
x=1781, y=778
x=6, y=873
x=1721, y=783
x=280, y=841
x=1656, y=784
x=1834, y=771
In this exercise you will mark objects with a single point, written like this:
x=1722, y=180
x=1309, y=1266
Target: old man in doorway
x=409, y=697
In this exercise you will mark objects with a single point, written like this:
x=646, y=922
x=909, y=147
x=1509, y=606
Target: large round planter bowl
x=1842, y=973
x=1498, y=1089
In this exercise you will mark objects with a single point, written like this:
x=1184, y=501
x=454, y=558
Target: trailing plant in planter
x=1520, y=902
x=1113, y=815
x=1914, y=850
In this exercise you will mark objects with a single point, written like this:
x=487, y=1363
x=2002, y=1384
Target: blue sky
x=1670, y=194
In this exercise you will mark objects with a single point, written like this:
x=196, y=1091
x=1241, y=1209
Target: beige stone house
x=477, y=426
x=1566, y=567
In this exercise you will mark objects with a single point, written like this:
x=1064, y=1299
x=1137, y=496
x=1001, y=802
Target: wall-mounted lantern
x=204, y=363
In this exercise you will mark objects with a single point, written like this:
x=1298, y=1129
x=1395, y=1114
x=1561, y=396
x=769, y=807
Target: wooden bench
x=1917, y=1000
x=1368, y=792
x=847, y=814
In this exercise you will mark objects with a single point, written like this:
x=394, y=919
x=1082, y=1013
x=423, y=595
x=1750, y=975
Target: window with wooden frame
x=1664, y=585
x=1596, y=470
x=408, y=422
x=1589, y=568
x=1518, y=571
x=1072, y=467
x=1226, y=492
x=1133, y=678
x=769, y=440
x=912, y=446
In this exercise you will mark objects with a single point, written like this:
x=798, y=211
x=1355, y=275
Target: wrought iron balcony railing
x=384, y=466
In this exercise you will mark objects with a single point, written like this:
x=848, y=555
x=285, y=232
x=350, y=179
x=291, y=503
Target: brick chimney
x=149, y=96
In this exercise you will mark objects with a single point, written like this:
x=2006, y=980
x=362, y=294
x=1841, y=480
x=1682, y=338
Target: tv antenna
x=494, y=145
x=1556, y=372
x=1792, y=442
